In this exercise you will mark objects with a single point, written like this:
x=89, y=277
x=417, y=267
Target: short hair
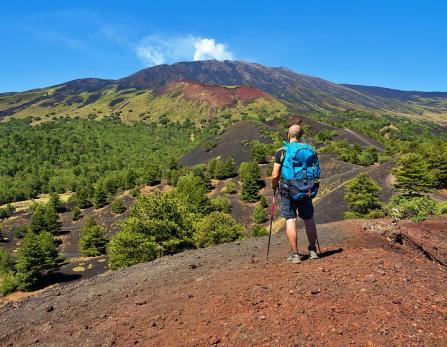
x=295, y=131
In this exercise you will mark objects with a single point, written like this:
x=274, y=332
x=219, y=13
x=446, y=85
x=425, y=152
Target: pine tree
x=130, y=178
x=229, y=167
x=118, y=206
x=76, y=214
x=211, y=169
x=263, y=202
x=52, y=221
x=219, y=170
x=51, y=259
x=38, y=221
x=361, y=196
x=413, y=175
x=259, y=214
x=250, y=175
x=151, y=174
x=100, y=198
x=192, y=191
x=92, y=242
x=56, y=203
x=83, y=195
x=37, y=255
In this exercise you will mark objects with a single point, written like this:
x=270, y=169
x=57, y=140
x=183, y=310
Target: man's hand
x=275, y=175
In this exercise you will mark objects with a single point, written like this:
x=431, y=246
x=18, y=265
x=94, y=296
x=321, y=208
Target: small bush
x=250, y=176
x=417, y=208
x=8, y=284
x=135, y=192
x=259, y=230
x=221, y=203
x=263, y=202
x=92, y=242
x=259, y=214
x=76, y=214
x=129, y=248
x=216, y=228
x=37, y=256
x=159, y=223
x=20, y=232
x=361, y=197
x=6, y=263
x=118, y=206
x=230, y=188
x=442, y=207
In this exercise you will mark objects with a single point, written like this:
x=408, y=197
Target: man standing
x=294, y=200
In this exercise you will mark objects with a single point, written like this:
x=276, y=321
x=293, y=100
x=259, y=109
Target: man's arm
x=276, y=173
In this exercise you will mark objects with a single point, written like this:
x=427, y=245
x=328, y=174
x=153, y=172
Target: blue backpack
x=300, y=172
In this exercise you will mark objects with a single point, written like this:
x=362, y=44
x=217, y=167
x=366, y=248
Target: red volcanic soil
x=371, y=287
x=216, y=96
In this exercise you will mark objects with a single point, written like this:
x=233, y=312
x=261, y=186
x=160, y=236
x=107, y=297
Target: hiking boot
x=294, y=258
x=313, y=253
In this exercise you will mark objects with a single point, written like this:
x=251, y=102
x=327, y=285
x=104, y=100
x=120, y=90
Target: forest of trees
x=94, y=158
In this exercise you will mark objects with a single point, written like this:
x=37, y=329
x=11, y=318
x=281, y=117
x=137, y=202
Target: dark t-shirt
x=279, y=156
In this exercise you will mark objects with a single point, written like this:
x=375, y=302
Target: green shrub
x=8, y=283
x=259, y=214
x=216, y=228
x=6, y=262
x=258, y=151
x=219, y=169
x=56, y=203
x=45, y=218
x=162, y=223
x=324, y=136
x=221, y=203
x=442, y=207
x=36, y=256
x=152, y=174
x=101, y=196
x=128, y=248
x=135, y=192
x=118, y=206
x=92, y=242
x=259, y=230
x=361, y=197
x=20, y=232
x=76, y=214
x=192, y=190
x=250, y=176
x=263, y=202
x=83, y=196
x=416, y=208
x=229, y=188
x=209, y=144
x=7, y=211
x=413, y=175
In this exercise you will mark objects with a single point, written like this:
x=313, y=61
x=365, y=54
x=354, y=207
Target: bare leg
x=311, y=231
x=291, y=234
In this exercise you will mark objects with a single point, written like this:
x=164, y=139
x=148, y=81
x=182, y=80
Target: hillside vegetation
x=146, y=95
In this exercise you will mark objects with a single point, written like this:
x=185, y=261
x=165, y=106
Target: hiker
x=296, y=173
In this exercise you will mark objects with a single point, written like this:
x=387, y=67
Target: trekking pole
x=318, y=244
x=271, y=222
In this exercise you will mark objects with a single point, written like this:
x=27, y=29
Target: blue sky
x=392, y=43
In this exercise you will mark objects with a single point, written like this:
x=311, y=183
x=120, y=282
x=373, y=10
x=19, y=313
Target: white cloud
x=209, y=49
x=155, y=50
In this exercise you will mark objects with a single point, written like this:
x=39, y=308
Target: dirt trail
x=364, y=291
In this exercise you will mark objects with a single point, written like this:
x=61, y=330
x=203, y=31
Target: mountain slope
x=364, y=290
x=298, y=91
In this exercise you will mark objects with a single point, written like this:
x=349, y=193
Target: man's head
x=295, y=132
